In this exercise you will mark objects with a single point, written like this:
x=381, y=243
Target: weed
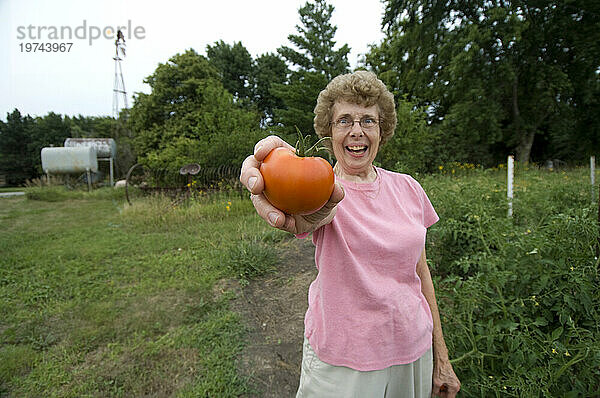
x=249, y=259
x=519, y=297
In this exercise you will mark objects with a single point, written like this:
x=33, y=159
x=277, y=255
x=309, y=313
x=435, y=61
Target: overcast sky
x=81, y=81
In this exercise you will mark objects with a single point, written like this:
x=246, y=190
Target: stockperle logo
x=81, y=32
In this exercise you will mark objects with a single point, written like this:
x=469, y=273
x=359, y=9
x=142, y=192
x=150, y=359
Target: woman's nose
x=356, y=130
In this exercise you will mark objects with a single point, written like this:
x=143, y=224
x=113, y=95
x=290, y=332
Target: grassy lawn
x=12, y=189
x=102, y=299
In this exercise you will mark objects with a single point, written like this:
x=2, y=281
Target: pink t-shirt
x=365, y=307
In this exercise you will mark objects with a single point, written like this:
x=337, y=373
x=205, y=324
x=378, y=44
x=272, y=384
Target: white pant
x=321, y=380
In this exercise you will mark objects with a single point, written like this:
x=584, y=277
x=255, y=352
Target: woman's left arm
x=445, y=382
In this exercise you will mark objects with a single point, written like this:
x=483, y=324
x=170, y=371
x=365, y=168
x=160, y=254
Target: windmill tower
x=119, y=84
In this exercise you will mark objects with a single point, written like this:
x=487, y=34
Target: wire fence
x=180, y=184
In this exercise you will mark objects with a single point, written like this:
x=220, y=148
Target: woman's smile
x=357, y=150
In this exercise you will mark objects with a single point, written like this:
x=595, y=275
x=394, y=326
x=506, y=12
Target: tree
x=190, y=117
x=315, y=42
x=315, y=63
x=15, y=142
x=91, y=126
x=21, y=141
x=270, y=69
x=235, y=67
x=494, y=75
x=414, y=148
x=299, y=96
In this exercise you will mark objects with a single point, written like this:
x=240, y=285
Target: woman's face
x=354, y=147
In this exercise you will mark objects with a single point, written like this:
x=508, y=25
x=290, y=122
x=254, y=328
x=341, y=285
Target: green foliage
x=92, y=126
x=300, y=97
x=21, y=141
x=23, y=137
x=496, y=77
x=315, y=45
x=415, y=146
x=519, y=297
x=250, y=81
x=315, y=63
x=235, y=66
x=269, y=70
x=190, y=118
x=15, y=160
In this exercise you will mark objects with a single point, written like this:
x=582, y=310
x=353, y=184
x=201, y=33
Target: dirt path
x=273, y=308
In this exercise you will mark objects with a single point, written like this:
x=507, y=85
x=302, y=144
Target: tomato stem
x=303, y=142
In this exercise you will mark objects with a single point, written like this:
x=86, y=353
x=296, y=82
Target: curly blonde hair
x=362, y=88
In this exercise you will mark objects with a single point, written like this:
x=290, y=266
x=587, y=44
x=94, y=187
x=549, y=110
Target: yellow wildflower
x=554, y=351
x=567, y=354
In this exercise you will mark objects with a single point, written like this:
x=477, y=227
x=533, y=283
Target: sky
x=80, y=81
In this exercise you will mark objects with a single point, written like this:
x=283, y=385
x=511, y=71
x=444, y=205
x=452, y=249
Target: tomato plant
x=295, y=183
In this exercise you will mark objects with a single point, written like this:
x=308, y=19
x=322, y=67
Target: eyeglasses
x=345, y=123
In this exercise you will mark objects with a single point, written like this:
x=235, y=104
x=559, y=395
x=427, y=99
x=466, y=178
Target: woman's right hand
x=252, y=179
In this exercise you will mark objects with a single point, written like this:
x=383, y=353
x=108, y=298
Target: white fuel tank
x=61, y=160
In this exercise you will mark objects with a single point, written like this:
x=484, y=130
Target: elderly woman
x=372, y=328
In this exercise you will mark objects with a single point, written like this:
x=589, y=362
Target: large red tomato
x=296, y=185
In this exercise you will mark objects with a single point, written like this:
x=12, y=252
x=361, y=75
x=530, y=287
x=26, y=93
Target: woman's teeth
x=357, y=148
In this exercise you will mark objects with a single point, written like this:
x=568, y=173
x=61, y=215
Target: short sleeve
x=430, y=216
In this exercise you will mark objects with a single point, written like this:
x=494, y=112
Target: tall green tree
x=314, y=62
x=270, y=69
x=314, y=44
x=494, y=75
x=235, y=66
x=16, y=160
x=190, y=117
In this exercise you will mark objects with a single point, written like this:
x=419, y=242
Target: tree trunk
x=525, y=145
x=525, y=138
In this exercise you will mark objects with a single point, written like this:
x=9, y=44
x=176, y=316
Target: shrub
x=519, y=297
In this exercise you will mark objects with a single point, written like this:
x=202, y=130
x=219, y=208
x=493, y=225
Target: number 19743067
x=45, y=47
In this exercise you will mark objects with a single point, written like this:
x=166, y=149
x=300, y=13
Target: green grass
x=103, y=299
x=11, y=189
x=99, y=298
